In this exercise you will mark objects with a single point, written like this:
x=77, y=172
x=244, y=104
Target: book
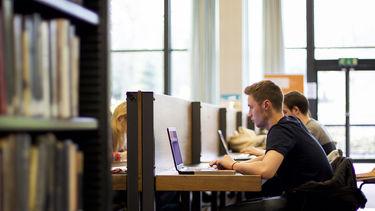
x=27, y=52
x=43, y=57
x=74, y=61
x=17, y=64
x=35, y=67
x=3, y=103
x=2, y=169
x=9, y=161
x=63, y=71
x=33, y=177
x=50, y=141
x=80, y=158
x=22, y=155
x=53, y=82
x=7, y=14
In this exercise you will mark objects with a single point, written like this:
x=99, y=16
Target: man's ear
x=267, y=104
x=295, y=109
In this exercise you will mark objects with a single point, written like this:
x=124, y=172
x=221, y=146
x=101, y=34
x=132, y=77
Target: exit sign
x=348, y=62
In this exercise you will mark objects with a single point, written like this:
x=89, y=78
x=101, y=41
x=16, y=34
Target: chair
x=339, y=193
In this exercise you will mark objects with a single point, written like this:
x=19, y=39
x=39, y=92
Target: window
x=294, y=31
x=137, y=47
x=344, y=29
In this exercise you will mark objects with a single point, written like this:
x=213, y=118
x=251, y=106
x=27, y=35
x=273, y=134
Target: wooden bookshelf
x=89, y=130
x=40, y=124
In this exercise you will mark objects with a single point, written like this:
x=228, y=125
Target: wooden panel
x=231, y=121
x=175, y=182
x=119, y=181
x=287, y=83
x=171, y=112
x=208, y=183
x=209, y=126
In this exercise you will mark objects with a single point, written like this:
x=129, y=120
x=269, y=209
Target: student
x=119, y=125
x=296, y=104
x=291, y=152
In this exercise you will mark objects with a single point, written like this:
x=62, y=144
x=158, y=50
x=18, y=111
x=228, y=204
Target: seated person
x=119, y=125
x=291, y=152
x=296, y=104
x=247, y=141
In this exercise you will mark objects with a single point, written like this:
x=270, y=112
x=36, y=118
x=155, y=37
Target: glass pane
x=181, y=23
x=361, y=53
x=344, y=23
x=338, y=135
x=295, y=61
x=331, y=97
x=294, y=23
x=362, y=142
x=137, y=24
x=181, y=75
x=361, y=104
x=135, y=71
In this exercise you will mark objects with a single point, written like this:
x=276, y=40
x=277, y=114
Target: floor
x=368, y=189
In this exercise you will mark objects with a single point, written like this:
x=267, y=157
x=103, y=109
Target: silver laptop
x=235, y=156
x=189, y=169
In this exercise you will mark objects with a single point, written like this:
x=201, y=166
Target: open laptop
x=235, y=156
x=193, y=169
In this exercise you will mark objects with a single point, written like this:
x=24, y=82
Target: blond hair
x=118, y=125
x=266, y=90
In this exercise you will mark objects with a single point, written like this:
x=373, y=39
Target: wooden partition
x=231, y=122
x=210, y=141
x=171, y=112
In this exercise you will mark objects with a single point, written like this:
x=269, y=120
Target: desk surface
x=172, y=181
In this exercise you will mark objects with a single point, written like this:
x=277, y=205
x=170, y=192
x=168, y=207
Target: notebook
x=189, y=169
x=235, y=156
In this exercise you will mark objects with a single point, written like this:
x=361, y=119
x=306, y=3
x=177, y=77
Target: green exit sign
x=348, y=62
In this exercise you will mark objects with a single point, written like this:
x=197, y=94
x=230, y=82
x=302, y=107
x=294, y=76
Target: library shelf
x=8, y=123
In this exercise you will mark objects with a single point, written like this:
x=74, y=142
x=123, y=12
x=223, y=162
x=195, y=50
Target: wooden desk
x=366, y=180
x=172, y=181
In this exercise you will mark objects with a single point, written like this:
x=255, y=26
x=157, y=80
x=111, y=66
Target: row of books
x=39, y=67
x=40, y=174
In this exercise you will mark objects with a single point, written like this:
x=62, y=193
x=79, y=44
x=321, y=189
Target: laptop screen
x=223, y=142
x=172, y=134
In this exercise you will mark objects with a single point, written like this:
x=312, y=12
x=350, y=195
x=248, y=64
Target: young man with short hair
x=296, y=104
x=291, y=152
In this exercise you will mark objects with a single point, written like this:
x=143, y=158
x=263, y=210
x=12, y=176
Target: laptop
x=235, y=156
x=190, y=169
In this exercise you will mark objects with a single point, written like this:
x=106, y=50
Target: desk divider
x=140, y=138
x=210, y=123
x=223, y=127
x=196, y=133
x=172, y=112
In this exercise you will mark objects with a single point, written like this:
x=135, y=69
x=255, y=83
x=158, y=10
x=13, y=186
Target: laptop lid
x=176, y=152
x=223, y=142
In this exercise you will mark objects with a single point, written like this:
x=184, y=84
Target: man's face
x=256, y=113
x=287, y=111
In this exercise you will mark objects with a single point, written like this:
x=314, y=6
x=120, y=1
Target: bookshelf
x=89, y=130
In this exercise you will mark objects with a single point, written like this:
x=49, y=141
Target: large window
x=294, y=32
x=137, y=47
x=344, y=29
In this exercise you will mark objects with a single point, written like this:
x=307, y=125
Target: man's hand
x=224, y=163
x=253, y=151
